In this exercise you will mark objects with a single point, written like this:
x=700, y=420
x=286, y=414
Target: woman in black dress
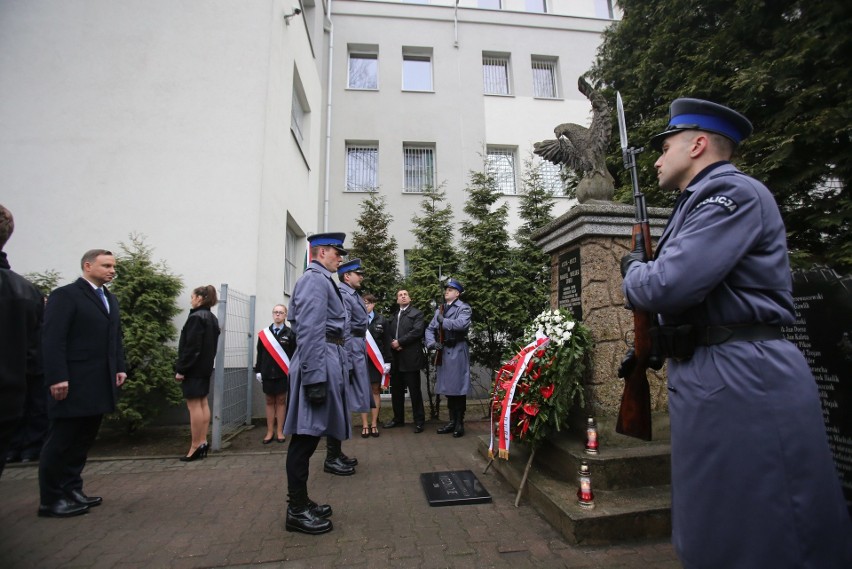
x=196, y=354
x=276, y=382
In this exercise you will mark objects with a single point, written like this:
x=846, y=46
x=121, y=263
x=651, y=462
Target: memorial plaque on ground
x=823, y=332
x=570, y=283
x=453, y=488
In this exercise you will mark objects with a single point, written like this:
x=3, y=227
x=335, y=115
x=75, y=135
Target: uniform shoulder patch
x=720, y=201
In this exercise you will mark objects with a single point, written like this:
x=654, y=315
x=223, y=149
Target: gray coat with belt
x=454, y=371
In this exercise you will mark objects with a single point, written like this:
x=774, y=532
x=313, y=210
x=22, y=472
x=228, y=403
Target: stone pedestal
x=595, y=236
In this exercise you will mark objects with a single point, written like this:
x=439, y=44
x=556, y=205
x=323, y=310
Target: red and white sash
x=270, y=342
x=375, y=356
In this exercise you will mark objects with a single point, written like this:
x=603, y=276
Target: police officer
x=753, y=481
x=318, y=376
x=453, y=320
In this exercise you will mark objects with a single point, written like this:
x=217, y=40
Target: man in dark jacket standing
x=21, y=308
x=83, y=367
x=407, y=329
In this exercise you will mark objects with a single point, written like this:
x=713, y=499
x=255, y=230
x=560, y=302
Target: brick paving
x=228, y=511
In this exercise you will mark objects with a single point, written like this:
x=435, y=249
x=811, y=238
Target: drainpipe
x=329, y=27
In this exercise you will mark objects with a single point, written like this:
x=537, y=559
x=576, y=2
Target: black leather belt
x=359, y=333
x=712, y=335
x=334, y=339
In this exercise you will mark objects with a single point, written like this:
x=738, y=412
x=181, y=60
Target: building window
x=535, y=6
x=292, y=260
x=544, y=77
x=416, y=69
x=297, y=116
x=363, y=67
x=495, y=74
x=419, y=167
x=501, y=163
x=362, y=167
x=488, y=4
x=550, y=176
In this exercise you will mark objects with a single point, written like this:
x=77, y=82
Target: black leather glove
x=316, y=393
x=438, y=346
x=440, y=318
x=627, y=364
x=637, y=255
x=351, y=377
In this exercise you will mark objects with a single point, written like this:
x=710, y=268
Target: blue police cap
x=698, y=114
x=351, y=266
x=329, y=240
x=453, y=283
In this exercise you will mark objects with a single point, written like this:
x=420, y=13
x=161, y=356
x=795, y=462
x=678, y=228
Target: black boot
x=302, y=517
x=449, y=427
x=320, y=510
x=459, y=430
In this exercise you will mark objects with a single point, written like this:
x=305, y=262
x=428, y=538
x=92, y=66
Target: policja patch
x=722, y=201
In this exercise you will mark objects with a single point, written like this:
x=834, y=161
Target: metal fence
x=233, y=376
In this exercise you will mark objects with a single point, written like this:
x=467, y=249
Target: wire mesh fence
x=232, y=378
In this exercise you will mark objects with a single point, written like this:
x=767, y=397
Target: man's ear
x=700, y=144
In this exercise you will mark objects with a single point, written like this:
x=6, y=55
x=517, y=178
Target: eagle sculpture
x=584, y=149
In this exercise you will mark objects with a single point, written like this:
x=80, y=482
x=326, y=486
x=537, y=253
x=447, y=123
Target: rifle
x=634, y=415
x=439, y=353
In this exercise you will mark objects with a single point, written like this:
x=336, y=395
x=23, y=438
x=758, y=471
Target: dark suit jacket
x=410, y=338
x=82, y=344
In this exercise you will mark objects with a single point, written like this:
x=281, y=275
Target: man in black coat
x=83, y=367
x=407, y=329
x=21, y=308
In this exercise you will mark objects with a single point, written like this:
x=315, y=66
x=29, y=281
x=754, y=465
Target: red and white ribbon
x=505, y=426
x=270, y=342
x=375, y=355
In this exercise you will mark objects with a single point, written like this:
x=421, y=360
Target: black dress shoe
x=335, y=466
x=393, y=423
x=304, y=520
x=62, y=509
x=321, y=511
x=348, y=461
x=418, y=428
x=80, y=498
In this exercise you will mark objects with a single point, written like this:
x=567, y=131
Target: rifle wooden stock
x=439, y=353
x=634, y=415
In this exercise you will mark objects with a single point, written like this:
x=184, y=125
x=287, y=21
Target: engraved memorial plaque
x=570, y=283
x=453, y=488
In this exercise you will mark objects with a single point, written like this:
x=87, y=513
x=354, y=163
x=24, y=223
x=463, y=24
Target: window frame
x=496, y=60
x=429, y=171
x=418, y=54
x=550, y=64
x=364, y=53
x=500, y=174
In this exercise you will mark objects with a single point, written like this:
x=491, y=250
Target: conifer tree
x=487, y=275
x=376, y=247
x=531, y=267
x=45, y=282
x=435, y=254
x=146, y=292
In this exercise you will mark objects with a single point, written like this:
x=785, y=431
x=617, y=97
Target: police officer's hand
x=316, y=393
x=627, y=364
x=438, y=346
x=637, y=255
x=440, y=318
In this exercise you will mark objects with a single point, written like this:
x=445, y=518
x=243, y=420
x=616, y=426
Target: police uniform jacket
x=358, y=386
x=198, y=343
x=82, y=345
x=317, y=314
x=454, y=371
x=265, y=365
x=379, y=329
x=748, y=439
x=407, y=328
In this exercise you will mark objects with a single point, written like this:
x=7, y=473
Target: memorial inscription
x=823, y=332
x=570, y=283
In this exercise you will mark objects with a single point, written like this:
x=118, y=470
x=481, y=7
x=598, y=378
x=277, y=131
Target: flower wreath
x=535, y=390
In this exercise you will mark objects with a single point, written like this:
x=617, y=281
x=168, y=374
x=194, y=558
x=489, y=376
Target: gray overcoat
x=316, y=313
x=753, y=481
x=358, y=386
x=454, y=371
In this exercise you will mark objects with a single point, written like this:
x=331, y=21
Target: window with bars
x=418, y=167
x=501, y=163
x=550, y=175
x=416, y=69
x=292, y=260
x=363, y=70
x=362, y=167
x=535, y=6
x=544, y=77
x=495, y=74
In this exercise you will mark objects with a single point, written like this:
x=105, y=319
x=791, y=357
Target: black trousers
x=64, y=455
x=399, y=381
x=7, y=429
x=299, y=455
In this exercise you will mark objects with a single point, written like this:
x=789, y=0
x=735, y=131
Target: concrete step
x=619, y=515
